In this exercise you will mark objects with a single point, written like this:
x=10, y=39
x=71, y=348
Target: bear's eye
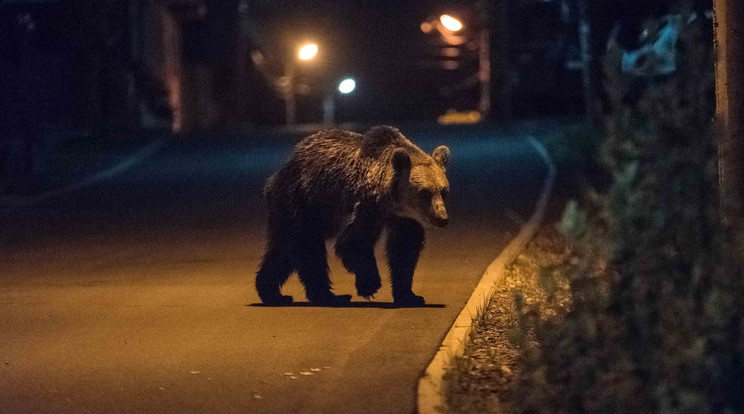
x=425, y=194
x=444, y=194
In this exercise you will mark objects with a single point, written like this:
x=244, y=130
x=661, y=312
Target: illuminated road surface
x=136, y=295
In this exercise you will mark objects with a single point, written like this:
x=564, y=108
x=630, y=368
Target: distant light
x=450, y=23
x=451, y=52
x=347, y=85
x=449, y=64
x=453, y=117
x=308, y=51
x=426, y=27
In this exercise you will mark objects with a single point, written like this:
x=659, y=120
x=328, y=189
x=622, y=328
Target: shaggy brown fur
x=351, y=186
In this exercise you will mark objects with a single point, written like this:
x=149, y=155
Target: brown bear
x=351, y=186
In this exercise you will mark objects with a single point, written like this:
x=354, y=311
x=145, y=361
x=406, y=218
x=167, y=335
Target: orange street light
x=450, y=30
x=450, y=23
x=308, y=51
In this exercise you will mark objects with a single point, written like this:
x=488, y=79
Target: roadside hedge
x=656, y=323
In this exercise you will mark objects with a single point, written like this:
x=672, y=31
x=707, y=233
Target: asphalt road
x=136, y=295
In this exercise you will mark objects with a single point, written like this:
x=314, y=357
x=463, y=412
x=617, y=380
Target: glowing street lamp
x=451, y=31
x=305, y=53
x=346, y=86
x=308, y=51
x=450, y=23
x=448, y=27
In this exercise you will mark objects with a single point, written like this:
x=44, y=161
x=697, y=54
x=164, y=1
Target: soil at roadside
x=481, y=381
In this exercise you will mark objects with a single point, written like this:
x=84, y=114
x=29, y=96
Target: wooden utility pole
x=484, y=73
x=590, y=74
x=729, y=47
x=290, y=97
x=485, y=14
x=502, y=59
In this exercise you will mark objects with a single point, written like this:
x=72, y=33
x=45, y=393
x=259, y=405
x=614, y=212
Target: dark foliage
x=656, y=322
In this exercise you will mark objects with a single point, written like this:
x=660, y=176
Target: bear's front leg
x=360, y=260
x=404, y=244
x=358, y=256
x=355, y=246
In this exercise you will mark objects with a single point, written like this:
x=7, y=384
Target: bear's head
x=420, y=185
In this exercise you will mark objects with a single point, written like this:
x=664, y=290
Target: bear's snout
x=439, y=222
x=439, y=218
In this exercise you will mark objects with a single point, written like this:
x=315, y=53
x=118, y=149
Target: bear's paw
x=279, y=300
x=409, y=301
x=331, y=300
x=367, y=287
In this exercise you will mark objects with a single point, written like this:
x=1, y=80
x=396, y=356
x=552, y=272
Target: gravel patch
x=481, y=381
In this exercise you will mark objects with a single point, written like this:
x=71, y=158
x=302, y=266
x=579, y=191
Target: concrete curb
x=430, y=398
x=136, y=158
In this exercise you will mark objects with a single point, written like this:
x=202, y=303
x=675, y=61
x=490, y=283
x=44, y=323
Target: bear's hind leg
x=276, y=267
x=312, y=268
x=404, y=244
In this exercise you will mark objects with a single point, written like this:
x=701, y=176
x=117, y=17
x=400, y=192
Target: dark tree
x=729, y=42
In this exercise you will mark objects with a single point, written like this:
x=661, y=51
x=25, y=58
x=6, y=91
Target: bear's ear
x=441, y=155
x=401, y=160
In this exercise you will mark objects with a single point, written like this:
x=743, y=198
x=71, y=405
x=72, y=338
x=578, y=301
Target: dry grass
x=481, y=381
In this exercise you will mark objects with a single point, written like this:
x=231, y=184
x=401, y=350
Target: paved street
x=136, y=295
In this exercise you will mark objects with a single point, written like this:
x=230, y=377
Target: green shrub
x=656, y=322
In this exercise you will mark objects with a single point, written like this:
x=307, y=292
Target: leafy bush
x=656, y=322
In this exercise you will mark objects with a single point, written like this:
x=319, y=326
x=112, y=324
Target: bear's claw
x=367, y=288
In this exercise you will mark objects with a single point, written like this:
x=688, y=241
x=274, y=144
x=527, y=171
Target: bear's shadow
x=358, y=304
